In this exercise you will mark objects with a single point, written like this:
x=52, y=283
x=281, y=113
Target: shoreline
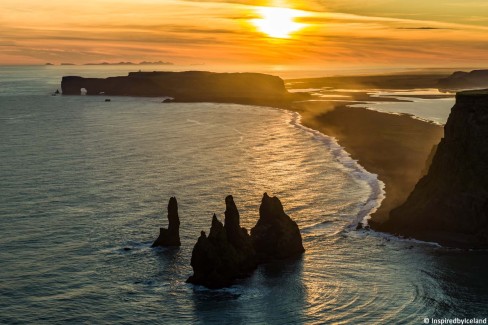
x=340, y=124
x=377, y=195
x=394, y=147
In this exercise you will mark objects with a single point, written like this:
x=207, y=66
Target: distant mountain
x=155, y=63
x=132, y=63
x=460, y=80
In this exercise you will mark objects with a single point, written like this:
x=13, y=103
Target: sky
x=317, y=33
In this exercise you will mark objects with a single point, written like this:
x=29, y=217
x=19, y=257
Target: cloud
x=220, y=31
x=422, y=28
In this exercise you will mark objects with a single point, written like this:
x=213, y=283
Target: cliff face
x=450, y=204
x=190, y=86
x=460, y=80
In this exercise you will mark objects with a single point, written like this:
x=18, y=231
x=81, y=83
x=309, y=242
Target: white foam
x=393, y=238
x=377, y=193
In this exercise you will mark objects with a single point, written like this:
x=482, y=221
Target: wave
x=377, y=193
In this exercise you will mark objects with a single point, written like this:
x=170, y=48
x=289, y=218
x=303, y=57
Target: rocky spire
x=227, y=254
x=170, y=236
x=230, y=253
x=232, y=218
x=276, y=235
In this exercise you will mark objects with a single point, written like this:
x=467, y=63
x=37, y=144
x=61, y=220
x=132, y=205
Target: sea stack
x=226, y=254
x=449, y=205
x=238, y=236
x=229, y=252
x=170, y=236
x=275, y=236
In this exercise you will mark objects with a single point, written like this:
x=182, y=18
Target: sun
x=278, y=22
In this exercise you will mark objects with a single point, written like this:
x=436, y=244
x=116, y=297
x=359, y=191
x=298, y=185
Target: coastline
x=377, y=187
x=394, y=147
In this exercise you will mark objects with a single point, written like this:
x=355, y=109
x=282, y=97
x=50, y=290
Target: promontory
x=188, y=86
x=449, y=205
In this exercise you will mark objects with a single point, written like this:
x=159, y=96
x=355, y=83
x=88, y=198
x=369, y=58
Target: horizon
x=286, y=73
x=385, y=34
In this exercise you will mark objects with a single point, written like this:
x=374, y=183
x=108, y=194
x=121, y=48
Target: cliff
x=189, y=86
x=460, y=80
x=449, y=205
x=170, y=236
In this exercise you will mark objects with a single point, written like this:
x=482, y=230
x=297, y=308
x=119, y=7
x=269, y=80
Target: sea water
x=422, y=104
x=84, y=187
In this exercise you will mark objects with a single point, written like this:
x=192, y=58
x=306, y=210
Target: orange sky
x=335, y=33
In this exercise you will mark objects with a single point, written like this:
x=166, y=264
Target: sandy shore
x=395, y=147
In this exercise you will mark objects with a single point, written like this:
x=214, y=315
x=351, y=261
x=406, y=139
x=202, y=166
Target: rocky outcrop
x=190, y=86
x=226, y=254
x=229, y=252
x=460, y=80
x=238, y=236
x=276, y=235
x=170, y=236
x=450, y=204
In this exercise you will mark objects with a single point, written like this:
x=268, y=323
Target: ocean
x=85, y=184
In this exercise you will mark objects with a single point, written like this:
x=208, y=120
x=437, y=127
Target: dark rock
x=230, y=253
x=275, y=236
x=226, y=254
x=238, y=237
x=127, y=249
x=450, y=204
x=107, y=100
x=170, y=236
x=189, y=86
x=359, y=226
x=215, y=261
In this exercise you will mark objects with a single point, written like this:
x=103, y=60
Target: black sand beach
x=395, y=147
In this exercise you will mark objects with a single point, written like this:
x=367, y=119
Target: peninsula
x=189, y=86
